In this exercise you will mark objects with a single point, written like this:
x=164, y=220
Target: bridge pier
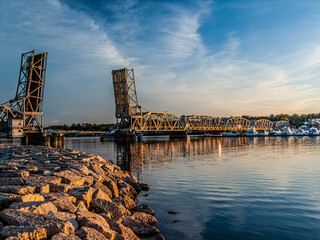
x=125, y=135
x=39, y=139
x=178, y=135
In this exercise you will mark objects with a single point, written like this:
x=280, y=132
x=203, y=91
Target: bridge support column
x=178, y=135
x=125, y=135
x=39, y=139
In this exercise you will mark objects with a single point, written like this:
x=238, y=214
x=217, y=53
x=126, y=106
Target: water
x=225, y=188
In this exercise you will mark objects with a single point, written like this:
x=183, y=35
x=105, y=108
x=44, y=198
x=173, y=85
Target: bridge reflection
x=156, y=154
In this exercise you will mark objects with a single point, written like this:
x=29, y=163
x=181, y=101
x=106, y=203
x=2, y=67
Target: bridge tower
x=23, y=114
x=125, y=94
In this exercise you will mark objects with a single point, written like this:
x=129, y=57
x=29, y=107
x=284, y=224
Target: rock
x=66, y=217
x=24, y=232
x=100, y=194
x=82, y=193
x=144, y=208
x=14, y=238
x=126, y=190
x=13, y=173
x=62, y=236
x=92, y=220
x=81, y=205
x=69, y=177
x=59, y=187
x=144, y=217
x=55, y=196
x=50, y=223
x=102, y=187
x=16, y=189
x=125, y=232
x=34, y=180
x=31, y=198
x=34, y=207
x=140, y=228
x=42, y=188
x=133, y=182
x=64, y=205
x=126, y=201
x=144, y=186
x=11, y=181
x=86, y=233
x=112, y=186
x=7, y=199
x=117, y=211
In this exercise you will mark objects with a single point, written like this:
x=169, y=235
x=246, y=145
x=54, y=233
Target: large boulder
x=34, y=207
x=126, y=201
x=92, y=220
x=125, y=232
x=117, y=211
x=62, y=236
x=110, y=183
x=82, y=193
x=140, y=228
x=144, y=217
x=87, y=233
x=126, y=190
x=31, y=198
x=70, y=177
x=16, y=189
x=102, y=187
x=144, y=208
x=50, y=223
x=25, y=232
x=64, y=205
x=133, y=182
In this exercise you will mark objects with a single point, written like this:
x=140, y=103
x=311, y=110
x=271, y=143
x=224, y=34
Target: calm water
x=225, y=188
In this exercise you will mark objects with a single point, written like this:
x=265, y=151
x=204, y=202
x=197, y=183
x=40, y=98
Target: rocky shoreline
x=61, y=194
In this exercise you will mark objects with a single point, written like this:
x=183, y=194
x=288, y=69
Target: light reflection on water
x=225, y=188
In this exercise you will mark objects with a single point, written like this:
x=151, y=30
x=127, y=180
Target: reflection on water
x=225, y=188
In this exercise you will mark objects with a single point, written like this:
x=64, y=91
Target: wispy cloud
x=177, y=68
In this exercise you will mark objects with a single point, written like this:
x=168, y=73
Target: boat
x=313, y=132
x=251, y=132
x=263, y=134
x=300, y=132
x=286, y=131
x=276, y=133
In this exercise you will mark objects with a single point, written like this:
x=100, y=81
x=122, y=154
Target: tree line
x=294, y=119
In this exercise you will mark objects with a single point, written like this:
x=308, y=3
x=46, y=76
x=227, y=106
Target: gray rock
x=126, y=201
x=133, y=182
x=144, y=208
x=62, y=236
x=50, y=223
x=144, y=217
x=34, y=207
x=140, y=228
x=24, y=232
x=87, y=233
x=82, y=193
x=92, y=220
x=117, y=211
x=125, y=232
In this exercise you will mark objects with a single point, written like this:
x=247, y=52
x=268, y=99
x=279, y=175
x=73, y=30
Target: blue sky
x=219, y=58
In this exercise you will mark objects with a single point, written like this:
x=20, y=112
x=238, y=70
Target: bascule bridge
x=132, y=117
x=23, y=114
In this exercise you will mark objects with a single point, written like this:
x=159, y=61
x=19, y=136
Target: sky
x=220, y=58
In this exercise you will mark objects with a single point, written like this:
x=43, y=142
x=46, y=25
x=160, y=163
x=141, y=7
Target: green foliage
x=84, y=127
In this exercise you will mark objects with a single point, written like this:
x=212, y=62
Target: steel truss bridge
x=27, y=104
x=132, y=116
